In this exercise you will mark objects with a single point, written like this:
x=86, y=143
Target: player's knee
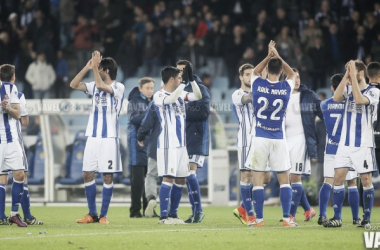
x=107, y=178
x=88, y=176
x=351, y=183
x=295, y=178
x=267, y=178
x=366, y=180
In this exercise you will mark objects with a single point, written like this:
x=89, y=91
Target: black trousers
x=138, y=174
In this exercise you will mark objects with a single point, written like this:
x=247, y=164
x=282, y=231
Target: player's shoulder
x=238, y=92
x=118, y=85
x=20, y=95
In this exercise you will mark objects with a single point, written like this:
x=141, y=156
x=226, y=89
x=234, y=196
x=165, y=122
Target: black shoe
x=155, y=215
x=198, y=217
x=365, y=223
x=5, y=222
x=356, y=221
x=190, y=219
x=322, y=220
x=135, y=215
x=333, y=223
x=174, y=216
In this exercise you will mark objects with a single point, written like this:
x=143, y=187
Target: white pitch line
x=150, y=231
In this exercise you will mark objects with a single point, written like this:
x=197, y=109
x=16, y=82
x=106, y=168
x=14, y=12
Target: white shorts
x=298, y=155
x=361, y=159
x=242, y=158
x=264, y=152
x=173, y=162
x=102, y=155
x=197, y=159
x=328, y=168
x=11, y=157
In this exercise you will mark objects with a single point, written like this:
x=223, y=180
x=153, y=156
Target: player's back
x=270, y=100
x=333, y=118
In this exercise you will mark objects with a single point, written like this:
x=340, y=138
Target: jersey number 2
x=278, y=103
x=110, y=166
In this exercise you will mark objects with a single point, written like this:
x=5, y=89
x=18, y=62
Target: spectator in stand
x=372, y=26
x=309, y=34
x=152, y=48
x=27, y=13
x=333, y=48
x=303, y=22
x=26, y=56
x=206, y=80
x=326, y=13
x=83, y=39
x=318, y=56
x=40, y=32
x=303, y=63
x=128, y=55
x=62, y=72
x=376, y=11
x=285, y=43
x=172, y=40
x=375, y=49
x=193, y=49
x=66, y=20
x=213, y=46
x=349, y=28
x=262, y=23
x=5, y=55
x=363, y=43
x=248, y=57
x=279, y=21
x=41, y=76
x=139, y=26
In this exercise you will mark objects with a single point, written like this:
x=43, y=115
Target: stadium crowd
x=317, y=37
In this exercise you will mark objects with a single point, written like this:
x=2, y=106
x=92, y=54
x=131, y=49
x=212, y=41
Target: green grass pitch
x=219, y=230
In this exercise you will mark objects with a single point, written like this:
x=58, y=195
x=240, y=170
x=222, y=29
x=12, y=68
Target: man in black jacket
x=150, y=127
x=197, y=139
x=139, y=99
x=303, y=106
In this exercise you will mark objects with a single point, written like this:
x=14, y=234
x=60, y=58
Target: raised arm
x=76, y=82
x=339, y=92
x=358, y=96
x=247, y=98
x=262, y=65
x=197, y=94
x=287, y=69
x=97, y=58
x=174, y=96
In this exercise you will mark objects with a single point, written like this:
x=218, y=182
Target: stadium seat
x=37, y=163
x=76, y=94
x=119, y=75
x=327, y=91
x=220, y=83
x=216, y=94
x=234, y=184
x=74, y=160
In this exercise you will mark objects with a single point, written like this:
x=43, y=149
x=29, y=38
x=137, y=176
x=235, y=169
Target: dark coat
x=310, y=107
x=150, y=127
x=197, y=124
x=137, y=106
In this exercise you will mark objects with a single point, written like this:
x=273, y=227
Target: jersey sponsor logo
x=101, y=101
x=331, y=142
x=259, y=125
x=353, y=108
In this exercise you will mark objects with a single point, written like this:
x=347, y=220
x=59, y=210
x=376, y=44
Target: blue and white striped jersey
x=244, y=114
x=173, y=120
x=8, y=125
x=357, y=129
x=104, y=116
x=270, y=100
x=333, y=117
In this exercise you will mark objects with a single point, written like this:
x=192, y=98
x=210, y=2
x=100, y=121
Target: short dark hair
x=274, y=66
x=360, y=66
x=295, y=70
x=110, y=64
x=186, y=63
x=335, y=80
x=244, y=67
x=169, y=72
x=373, y=69
x=7, y=71
x=145, y=80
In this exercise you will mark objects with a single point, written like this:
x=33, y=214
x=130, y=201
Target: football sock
x=25, y=203
x=368, y=197
x=190, y=197
x=338, y=198
x=17, y=191
x=90, y=188
x=175, y=198
x=164, y=195
x=246, y=197
x=258, y=201
x=324, y=197
x=296, y=191
x=304, y=202
x=106, y=199
x=3, y=189
x=195, y=191
x=353, y=200
x=286, y=199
